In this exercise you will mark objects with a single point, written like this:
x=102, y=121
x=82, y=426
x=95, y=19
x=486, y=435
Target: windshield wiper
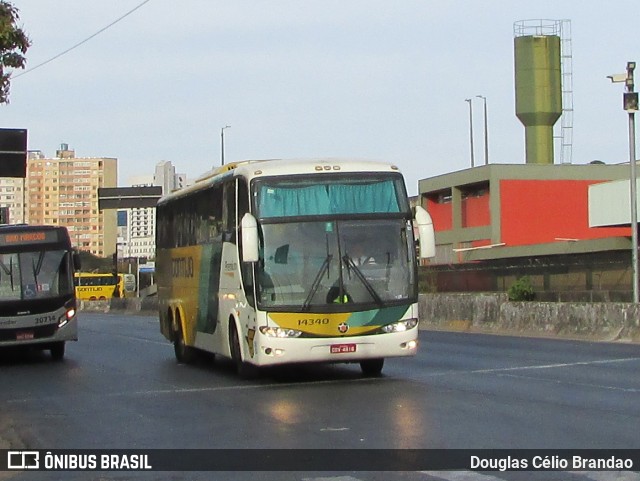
x=37, y=267
x=316, y=282
x=8, y=270
x=365, y=282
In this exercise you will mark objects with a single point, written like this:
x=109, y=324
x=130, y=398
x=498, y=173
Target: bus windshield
x=34, y=275
x=307, y=266
x=348, y=194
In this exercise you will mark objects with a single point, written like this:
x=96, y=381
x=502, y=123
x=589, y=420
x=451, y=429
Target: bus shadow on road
x=24, y=355
x=290, y=373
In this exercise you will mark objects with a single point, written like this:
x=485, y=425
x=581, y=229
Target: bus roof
x=28, y=227
x=250, y=169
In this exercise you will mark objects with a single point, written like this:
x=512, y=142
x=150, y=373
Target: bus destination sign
x=28, y=237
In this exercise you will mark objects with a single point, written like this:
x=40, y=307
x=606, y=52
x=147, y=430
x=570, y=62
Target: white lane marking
x=593, y=475
x=243, y=387
x=561, y=365
x=553, y=366
x=461, y=476
x=333, y=478
x=501, y=370
x=609, y=475
x=155, y=392
x=573, y=383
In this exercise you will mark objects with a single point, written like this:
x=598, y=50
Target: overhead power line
x=82, y=42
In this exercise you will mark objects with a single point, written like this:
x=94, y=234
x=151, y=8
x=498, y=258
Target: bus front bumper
x=40, y=336
x=269, y=351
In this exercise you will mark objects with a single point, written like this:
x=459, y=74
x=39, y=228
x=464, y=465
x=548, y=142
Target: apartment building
x=64, y=191
x=137, y=226
x=11, y=199
x=137, y=231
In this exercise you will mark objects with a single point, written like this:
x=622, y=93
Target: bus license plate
x=24, y=335
x=343, y=348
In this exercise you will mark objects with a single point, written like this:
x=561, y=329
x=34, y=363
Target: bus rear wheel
x=244, y=369
x=57, y=351
x=184, y=354
x=372, y=367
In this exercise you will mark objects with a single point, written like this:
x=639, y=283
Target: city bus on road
x=37, y=296
x=93, y=286
x=258, y=262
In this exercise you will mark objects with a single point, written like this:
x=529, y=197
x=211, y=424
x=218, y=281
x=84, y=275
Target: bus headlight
x=70, y=311
x=400, y=326
x=279, y=332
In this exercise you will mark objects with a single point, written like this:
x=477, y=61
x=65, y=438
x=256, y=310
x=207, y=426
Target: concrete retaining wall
x=493, y=313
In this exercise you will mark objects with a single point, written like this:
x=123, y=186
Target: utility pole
x=486, y=130
x=630, y=105
x=470, y=129
x=222, y=143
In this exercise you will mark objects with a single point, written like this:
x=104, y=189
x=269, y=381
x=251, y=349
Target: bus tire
x=184, y=354
x=244, y=369
x=372, y=367
x=57, y=351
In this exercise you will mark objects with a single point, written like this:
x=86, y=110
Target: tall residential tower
x=64, y=191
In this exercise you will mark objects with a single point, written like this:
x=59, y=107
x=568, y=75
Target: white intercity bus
x=37, y=294
x=261, y=262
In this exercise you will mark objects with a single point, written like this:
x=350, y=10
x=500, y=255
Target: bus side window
x=204, y=220
x=243, y=200
x=211, y=211
x=229, y=211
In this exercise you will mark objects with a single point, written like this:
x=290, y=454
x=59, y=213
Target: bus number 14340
x=313, y=322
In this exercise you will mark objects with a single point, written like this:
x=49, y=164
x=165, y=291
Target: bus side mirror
x=426, y=234
x=249, y=230
x=77, y=265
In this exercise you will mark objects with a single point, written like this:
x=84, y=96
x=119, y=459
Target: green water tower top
x=538, y=83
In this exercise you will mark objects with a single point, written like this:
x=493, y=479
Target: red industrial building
x=496, y=223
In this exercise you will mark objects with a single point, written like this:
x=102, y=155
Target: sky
x=366, y=79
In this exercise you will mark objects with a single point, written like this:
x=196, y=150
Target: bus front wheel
x=244, y=369
x=57, y=351
x=372, y=367
x=184, y=354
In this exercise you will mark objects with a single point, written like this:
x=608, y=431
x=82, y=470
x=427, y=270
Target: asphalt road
x=119, y=387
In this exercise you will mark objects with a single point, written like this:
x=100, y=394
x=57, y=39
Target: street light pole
x=222, y=143
x=470, y=129
x=630, y=105
x=486, y=130
x=634, y=205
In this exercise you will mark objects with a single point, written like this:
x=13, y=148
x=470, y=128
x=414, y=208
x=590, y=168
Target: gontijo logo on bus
x=182, y=267
x=90, y=288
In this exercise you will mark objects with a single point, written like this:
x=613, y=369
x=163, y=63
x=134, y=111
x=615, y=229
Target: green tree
x=521, y=290
x=13, y=46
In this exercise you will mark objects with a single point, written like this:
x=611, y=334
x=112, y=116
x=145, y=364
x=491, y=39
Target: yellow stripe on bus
x=334, y=324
